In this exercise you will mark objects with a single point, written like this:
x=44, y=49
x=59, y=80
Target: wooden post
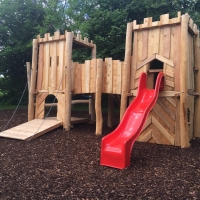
x=92, y=100
x=197, y=87
x=110, y=110
x=33, y=81
x=126, y=77
x=94, y=51
x=184, y=82
x=28, y=69
x=99, y=81
x=68, y=65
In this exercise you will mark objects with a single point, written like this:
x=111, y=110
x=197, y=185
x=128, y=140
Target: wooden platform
x=36, y=128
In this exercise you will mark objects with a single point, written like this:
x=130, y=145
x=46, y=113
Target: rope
x=48, y=111
x=15, y=109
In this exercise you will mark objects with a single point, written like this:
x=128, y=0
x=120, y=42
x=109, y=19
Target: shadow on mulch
x=65, y=165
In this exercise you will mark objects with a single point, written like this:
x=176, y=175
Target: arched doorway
x=51, y=106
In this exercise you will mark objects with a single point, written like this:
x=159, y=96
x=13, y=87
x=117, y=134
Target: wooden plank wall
x=190, y=98
x=51, y=71
x=84, y=76
x=162, y=40
x=112, y=76
x=51, y=64
x=51, y=78
x=197, y=84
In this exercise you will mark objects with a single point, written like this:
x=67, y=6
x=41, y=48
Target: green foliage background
x=101, y=20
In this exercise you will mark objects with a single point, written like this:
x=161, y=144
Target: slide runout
x=116, y=147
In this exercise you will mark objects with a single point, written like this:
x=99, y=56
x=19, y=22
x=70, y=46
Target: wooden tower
x=52, y=73
x=171, y=46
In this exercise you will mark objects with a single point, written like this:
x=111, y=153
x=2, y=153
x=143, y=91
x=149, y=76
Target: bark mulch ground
x=65, y=165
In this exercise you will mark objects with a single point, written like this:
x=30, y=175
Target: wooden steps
x=36, y=128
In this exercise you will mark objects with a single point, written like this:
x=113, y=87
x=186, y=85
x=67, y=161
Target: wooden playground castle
x=168, y=45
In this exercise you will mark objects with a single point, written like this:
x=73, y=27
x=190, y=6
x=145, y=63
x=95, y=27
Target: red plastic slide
x=116, y=147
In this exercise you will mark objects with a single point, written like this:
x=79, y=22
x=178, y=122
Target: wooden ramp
x=32, y=129
x=36, y=128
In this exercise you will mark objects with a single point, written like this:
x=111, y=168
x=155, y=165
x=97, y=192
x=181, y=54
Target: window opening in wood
x=156, y=64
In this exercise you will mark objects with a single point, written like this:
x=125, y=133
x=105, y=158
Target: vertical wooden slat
x=189, y=62
x=94, y=51
x=60, y=68
x=151, y=42
x=45, y=82
x=166, y=45
x=77, y=81
x=78, y=37
x=50, y=63
x=161, y=41
x=104, y=76
x=177, y=46
x=126, y=85
x=87, y=76
x=54, y=53
x=33, y=81
x=99, y=119
x=69, y=41
x=108, y=78
x=119, y=78
x=164, y=19
x=114, y=76
x=145, y=34
x=93, y=83
x=83, y=77
x=183, y=82
x=93, y=72
x=40, y=67
x=156, y=39
x=177, y=124
x=139, y=47
x=197, y=87
x=134, y=60
x=28, y=69
x=53, y=67
x=172, y=42
x=123, y=74
x=56, y=35
x=73, y=70
x=192, y=60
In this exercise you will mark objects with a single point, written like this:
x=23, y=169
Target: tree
x=55, y=17
x=19, y=21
